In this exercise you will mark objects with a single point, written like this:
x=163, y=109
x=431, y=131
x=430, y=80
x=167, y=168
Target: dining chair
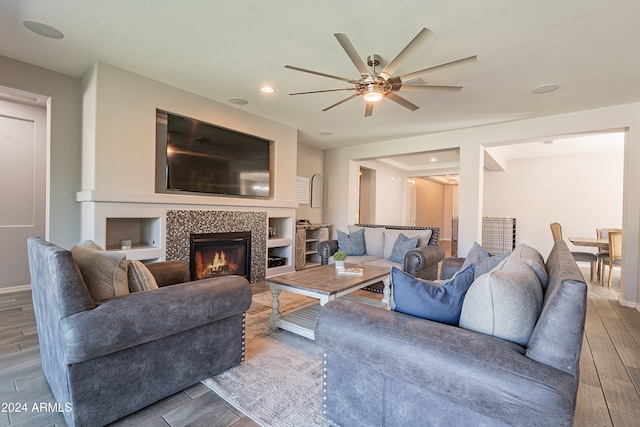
x=556, y=231
x=603, y=251
x=615, y=253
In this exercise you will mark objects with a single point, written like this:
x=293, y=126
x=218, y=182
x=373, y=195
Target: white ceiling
x=230, y=49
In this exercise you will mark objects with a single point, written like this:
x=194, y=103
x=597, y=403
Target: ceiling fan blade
x=322, y=91
x=409, y=88
x=420, y=73
x=340, y=102
x=415, y=44
x=353, y=55
x=369, y=109
x=400, y=100
x=291, y=67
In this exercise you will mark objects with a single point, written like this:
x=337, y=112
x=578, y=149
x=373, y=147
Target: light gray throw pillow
x=505, y=302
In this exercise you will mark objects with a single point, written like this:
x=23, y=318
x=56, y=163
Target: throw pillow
x=402, y=245
x=352, y=244
x=140, y=278
x=423, y=236
x=504, y=303
x=104, y=272
x=430, y=300
x=483, y=261
x=390, y=237
x=533, y=259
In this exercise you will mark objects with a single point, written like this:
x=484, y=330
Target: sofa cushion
x=140, y=278
x=504, y=302
x=483, y=261
x=104, y=272
x=429, y=300
x=381, y=263
x=373, y=239
x=351, y=244
x=402, y=245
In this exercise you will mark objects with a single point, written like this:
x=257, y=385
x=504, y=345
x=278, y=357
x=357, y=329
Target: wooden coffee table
x=324, y=284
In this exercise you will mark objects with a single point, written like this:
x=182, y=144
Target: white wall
x=64, y=141
x=119, y=139
x=339, y=164
x=581, y=192
x=390, y=193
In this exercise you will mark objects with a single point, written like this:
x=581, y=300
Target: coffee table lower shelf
x=303, y=321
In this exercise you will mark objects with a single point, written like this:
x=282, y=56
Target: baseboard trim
x=629, y=304
x=12, y=289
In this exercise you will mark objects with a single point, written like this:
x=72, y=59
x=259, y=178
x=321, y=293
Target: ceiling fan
x=373, y=85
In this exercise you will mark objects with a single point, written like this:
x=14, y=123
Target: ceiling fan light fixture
x=373, y=94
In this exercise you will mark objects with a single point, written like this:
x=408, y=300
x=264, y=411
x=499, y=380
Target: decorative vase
x=339, y=264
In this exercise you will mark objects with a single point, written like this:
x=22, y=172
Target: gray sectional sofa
x=107, y=359
x=386, y=368
x=379, y=241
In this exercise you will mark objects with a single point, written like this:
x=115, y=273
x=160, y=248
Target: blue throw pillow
x=402, y=245
x=430, y=300
x=482, y=259
x=352, y=244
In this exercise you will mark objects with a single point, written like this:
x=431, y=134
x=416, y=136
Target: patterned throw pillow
x=140, y=278
x=430, y=300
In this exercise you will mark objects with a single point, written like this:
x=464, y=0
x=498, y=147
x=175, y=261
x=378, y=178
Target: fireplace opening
x=220, y=254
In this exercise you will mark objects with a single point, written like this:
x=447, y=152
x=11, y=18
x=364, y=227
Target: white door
x=22, y=187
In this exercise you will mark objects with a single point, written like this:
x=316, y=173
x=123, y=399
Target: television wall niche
x=194, y=157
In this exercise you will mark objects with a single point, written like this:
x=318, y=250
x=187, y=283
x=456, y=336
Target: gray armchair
x=109, y=360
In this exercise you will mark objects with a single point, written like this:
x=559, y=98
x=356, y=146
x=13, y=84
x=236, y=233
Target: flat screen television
x=195, y=157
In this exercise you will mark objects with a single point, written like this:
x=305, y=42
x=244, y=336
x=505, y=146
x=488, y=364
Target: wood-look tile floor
x=607, y=396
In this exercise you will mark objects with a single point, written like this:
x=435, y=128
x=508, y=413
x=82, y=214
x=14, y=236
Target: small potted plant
x=339, y=257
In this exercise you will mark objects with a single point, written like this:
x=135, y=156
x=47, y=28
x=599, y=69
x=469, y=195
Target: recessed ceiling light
x=238, y=101
x=325, y=132
x=546, y=88
x=43, y=30
x=267, y=89
x=433, y=159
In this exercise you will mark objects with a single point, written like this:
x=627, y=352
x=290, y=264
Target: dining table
x=601, y=244
x=590, y=241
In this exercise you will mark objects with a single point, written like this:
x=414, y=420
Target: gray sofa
x=379, y=239
x=385, y=368
x=105, y=360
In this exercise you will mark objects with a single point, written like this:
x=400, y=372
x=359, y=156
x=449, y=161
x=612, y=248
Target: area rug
x=279, y=383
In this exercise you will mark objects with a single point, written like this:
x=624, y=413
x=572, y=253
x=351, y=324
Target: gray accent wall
x=64, y=139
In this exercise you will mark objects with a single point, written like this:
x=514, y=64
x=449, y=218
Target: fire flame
x=219, y=261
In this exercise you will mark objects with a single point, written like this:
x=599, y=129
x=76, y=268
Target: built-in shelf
x=145, y=233
x=280, y=244
x=276, y=242
x=139, y=251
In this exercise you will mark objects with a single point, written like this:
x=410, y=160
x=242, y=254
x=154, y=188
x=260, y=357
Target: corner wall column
x=470, y=196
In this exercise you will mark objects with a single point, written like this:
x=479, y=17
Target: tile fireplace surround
x=182, y=223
